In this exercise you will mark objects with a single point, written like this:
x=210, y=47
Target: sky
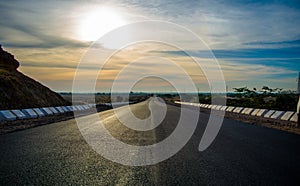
x=256, y=43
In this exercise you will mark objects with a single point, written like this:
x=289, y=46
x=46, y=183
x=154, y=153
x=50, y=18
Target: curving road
x=57, y=154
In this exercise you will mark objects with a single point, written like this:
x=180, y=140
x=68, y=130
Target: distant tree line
x=266, y=97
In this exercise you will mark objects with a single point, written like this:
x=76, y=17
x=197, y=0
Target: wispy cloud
x=295, y=42
x=35, y=25
x=287, y=57
x=256, y=42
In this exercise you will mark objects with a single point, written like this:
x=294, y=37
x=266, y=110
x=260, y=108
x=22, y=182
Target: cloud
x=255, y=41
x=257, y=75
x=222, y=24
x=23, y=36
x=34, y=25
x=289, y=43
x=281, y=57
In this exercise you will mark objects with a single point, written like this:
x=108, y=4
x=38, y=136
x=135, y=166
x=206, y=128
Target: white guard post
x=298, y=106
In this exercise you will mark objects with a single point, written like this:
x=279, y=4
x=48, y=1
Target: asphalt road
x=242, y=154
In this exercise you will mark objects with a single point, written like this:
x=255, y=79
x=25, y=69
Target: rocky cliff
x=20, y=91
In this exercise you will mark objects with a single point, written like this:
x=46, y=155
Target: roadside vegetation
x=266, y=98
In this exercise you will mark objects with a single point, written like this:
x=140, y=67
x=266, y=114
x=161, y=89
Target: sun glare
x=99, y=22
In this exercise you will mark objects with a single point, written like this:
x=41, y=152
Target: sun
x=99, y=22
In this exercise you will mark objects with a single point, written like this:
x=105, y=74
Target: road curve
x=57, y=154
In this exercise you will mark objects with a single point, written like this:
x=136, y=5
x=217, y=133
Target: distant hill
x=20, y=91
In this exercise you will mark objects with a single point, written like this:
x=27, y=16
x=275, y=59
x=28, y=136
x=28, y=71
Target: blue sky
x=257, y=39
x=286, y=57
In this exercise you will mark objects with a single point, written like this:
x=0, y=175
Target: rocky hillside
x=20, y=91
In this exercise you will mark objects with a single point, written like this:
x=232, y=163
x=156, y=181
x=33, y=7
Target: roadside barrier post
x=298, y=106
x=298, y=110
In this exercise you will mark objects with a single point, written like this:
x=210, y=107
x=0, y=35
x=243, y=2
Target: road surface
x=242, y=154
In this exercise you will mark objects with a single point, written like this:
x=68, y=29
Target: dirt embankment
x=18, y=91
